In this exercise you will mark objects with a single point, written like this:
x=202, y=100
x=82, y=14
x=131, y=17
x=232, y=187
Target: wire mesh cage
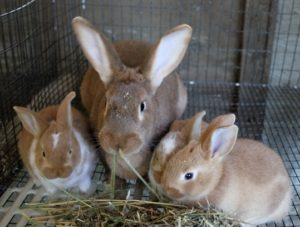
x=244, y=58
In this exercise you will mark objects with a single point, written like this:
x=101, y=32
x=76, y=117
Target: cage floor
x=271, y=115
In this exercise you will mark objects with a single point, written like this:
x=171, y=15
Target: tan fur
x=181, y=130
x=263, y=178
x=113, y=106
x=57, y=161
x=248, y=181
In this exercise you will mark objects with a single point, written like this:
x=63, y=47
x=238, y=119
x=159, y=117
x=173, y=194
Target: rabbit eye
x=188, y=176
x=142, y=107
x=44, y=154
x=70, y=151
x=105, y=106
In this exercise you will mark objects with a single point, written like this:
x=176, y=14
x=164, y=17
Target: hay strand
x=123, y=212
x=138, y=175
x=137, y=213
x=113, y=176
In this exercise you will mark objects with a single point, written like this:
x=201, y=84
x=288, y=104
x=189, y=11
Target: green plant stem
x=113, y=176
x=138, y=175
x=76, y=198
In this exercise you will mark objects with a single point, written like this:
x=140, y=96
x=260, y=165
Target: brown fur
x=53, y=165
x=113, y=100
x=128, y=48
x=244, y=178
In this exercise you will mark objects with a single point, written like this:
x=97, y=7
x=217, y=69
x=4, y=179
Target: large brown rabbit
x=55, y=147
x=243, y=177
x=131, y=91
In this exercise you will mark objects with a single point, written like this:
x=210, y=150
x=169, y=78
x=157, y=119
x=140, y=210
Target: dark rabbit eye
x=188, y=176
x=44, y=154
x=142, y=107
x=70, y=151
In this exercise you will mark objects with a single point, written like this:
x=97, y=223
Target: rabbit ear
x=167, y=54
x=98, y=50
x=164, y=150
x=30, y=121
x=220, y=136
x=218, y=122
x=222, y=141
x=196, y=126
x=223, y=120
x=64, y=116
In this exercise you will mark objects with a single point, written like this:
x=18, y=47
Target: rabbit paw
x=85, y=184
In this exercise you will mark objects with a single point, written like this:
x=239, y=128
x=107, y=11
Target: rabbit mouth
x=127, y=152
x=130, y=152
x=112, y=151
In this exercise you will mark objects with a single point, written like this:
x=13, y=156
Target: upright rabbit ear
x=223, y=140
x=196, y=126
x=98, y=50
x=30, y=121
x=163, y=151
x=220, y=136
x=167, y=54
x=64, y=116
x=222, y=120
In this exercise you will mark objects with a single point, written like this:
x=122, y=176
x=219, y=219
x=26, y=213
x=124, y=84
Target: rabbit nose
x=174, y=193
x=132, y=143
x=65, y=172
x=108, y=141
x=49, y=173
x=126, y=143
x=59, y=173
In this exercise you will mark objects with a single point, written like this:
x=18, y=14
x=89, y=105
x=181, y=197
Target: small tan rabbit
x=243, y=177
x=181, y=132
x=55, y=146
x=132, y=92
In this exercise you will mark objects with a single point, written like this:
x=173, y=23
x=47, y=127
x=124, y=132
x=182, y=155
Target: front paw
x=37, y=183
x=85, y=185
x=51, y=190
x=91, y=190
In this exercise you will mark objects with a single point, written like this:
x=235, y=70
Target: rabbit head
x=194, y=171
x=56, y=147
x=127, y=112
x=181, y=132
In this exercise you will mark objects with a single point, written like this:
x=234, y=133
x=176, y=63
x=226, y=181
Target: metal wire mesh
x=40, y=63
x=243, y=58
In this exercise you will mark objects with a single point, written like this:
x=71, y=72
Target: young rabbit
x=243, y=177
x=54, y=146
x=181, y=132
x=131, y=91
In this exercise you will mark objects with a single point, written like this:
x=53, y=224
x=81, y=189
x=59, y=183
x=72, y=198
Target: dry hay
x=124, y=212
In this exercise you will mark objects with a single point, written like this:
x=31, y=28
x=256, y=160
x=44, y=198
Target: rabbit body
x=131, y=92
x=253, y=184
x=56, y=148
x=243, y=177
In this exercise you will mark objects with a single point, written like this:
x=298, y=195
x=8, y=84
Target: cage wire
x=244, y=57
